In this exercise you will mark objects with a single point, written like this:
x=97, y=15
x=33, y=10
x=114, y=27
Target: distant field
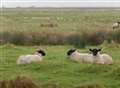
x=35, y=27
x=67, y=21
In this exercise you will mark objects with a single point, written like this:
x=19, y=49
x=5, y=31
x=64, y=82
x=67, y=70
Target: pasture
x=53, y=31
x=57, y=69
x=36, y=27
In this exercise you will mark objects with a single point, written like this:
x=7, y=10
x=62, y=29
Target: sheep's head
x=70, y=51
x=41, y=52
x=95, y=51
x=118, y=22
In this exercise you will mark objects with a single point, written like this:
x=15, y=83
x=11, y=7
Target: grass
x=58, y=27
x=56, y=32
x=57, y=69
x=70, y=20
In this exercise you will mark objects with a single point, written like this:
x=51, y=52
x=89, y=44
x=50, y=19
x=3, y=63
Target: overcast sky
x=60, y=3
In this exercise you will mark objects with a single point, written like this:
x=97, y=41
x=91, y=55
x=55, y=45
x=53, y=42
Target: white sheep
x=116, y=25
x=80, y=57
x=27, y=59
x=101, y=58
x=94, y=58
x=107, y=59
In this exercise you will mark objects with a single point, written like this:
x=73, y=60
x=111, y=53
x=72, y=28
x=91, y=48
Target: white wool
x=107, y=59
x=82, y=57
x=26, y=59
x=98, y=59
x=103, y=59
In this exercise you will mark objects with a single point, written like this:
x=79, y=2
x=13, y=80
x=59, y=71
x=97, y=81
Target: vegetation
x=57, y=69
x=79, y=28
x=24, y=31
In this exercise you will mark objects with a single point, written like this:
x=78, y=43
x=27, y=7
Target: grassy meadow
x=25, y=27
x=57, y=69
x=24, y=31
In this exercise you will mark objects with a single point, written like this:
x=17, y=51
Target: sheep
x=94, y=58
x=116, y=25
x=101, y=58
x=27, y=59
x=80, y=57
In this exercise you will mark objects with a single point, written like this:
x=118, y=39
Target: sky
x=59, y=3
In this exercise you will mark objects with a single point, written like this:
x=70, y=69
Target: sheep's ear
x=90, y=50
x=43, y=53
x=99, y=49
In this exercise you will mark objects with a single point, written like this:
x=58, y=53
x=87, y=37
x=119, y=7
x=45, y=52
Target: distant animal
x=49, y=25
x=74, y=55
x=27, y=59
x=101, y=58
x=116, y=25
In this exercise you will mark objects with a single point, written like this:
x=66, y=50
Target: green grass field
x=56, y=68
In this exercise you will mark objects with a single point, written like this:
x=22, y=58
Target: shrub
x=79, y=40
x=19, y=82
x=96, y=38
x=24, y=82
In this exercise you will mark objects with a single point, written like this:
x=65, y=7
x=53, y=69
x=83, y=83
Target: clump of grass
x=51, y=25
x=116, y=36
x=19, y=82
x=91, y=85
x=24, y=82
x=113, y=35
x=97, y=37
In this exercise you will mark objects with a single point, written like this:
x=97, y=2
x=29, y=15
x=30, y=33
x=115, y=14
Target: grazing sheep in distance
x=101, y=58
x=116, y=25
x=80, y=57
x=27, y=59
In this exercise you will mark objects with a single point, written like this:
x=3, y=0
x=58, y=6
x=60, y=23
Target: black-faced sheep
x=80, y=57
x=101, y=58
x=94, y=58
x=27, y=59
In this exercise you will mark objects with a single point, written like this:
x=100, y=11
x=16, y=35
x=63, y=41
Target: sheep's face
x=71, y=51
x=41, y=52
x=95, y=51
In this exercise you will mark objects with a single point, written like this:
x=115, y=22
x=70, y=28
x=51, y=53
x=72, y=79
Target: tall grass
x=59, y=38
x=19, y=82
x=78, y=28
x=24, y=82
